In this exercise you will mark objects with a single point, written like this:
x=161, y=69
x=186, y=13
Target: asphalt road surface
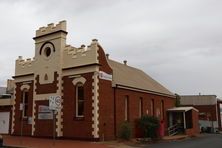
x=204, y=141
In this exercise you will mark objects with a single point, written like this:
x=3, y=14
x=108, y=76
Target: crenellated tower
x=49, y=44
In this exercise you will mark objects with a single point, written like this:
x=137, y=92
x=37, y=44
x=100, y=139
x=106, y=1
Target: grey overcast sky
x=177, y=42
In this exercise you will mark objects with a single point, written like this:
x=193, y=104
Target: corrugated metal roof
x=198, y=100
x=132, y=77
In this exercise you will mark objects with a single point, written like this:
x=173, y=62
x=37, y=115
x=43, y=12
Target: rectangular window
x=140, y=107
x=79, y=100
x=152, y=107
x=25, y=104
x=162, y=110
x=126, y=101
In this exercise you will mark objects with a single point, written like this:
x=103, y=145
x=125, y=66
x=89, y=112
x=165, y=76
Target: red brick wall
x=79, y=128
x=106, y=110
x=106, y=101
x=134, y=105
x=46, y=88
x=219, y=115
x=207, y=109
x=43, y=128
x=18, y=114
x=103, y=62
x=196, y=125
x=195, y=130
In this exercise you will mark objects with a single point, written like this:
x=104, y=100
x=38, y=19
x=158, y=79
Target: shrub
x=149, y=126
x=125, y=131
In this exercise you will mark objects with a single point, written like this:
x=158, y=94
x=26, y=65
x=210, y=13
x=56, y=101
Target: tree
x=125, y=131
x=149, y=126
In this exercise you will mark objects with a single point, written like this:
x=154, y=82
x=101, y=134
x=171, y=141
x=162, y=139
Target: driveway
x=204, y=141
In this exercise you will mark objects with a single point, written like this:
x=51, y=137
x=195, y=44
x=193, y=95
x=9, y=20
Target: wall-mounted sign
x=29, y=120
x=55, y=103
x=44, y=113
x=44, y=109
x=45, y=116
x=105, y=76
x=21, y=106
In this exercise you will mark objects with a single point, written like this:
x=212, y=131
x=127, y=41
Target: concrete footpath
x=30, y=142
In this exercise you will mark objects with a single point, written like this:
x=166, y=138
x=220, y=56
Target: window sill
x=79, y=118
x=24, y=118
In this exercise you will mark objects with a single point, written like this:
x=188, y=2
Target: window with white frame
x=25, y=104
x=79, y=100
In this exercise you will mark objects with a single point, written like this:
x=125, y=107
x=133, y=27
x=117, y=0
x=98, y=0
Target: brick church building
x=97, y=93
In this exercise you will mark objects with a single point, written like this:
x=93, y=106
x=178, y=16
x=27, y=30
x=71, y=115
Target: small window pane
x=80, y=108
x=126, y=102
x=80, y=93
x=79, y=100
x=140, y=107
x=25, y=103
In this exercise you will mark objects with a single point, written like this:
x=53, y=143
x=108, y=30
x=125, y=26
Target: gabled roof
x=135, y=78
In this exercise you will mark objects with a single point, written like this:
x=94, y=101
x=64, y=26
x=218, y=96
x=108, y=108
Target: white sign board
x=21, y=106
x=105, y=76
x=45, y=116
x=29, y=120
x=44, y=109
x=55, y=103
x=44, y=113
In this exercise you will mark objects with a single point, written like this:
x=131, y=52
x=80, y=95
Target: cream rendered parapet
x=51, y=28
x=74, y=57
x=23, y=67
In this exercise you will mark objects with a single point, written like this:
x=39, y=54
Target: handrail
x=173, y=126
x=174, y=129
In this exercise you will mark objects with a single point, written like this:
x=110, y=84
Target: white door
x=4, y=122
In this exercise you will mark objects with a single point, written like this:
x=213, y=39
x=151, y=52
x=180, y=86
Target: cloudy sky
x=177, y=42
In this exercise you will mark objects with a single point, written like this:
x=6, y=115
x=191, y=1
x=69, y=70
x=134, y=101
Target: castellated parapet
x=74, y=57
x=24, y=67
x=61, y=26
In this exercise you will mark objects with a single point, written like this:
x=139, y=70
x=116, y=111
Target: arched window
x=79, y=100
x=24, y=104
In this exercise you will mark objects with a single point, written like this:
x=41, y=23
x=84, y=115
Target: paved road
x=204, y=141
